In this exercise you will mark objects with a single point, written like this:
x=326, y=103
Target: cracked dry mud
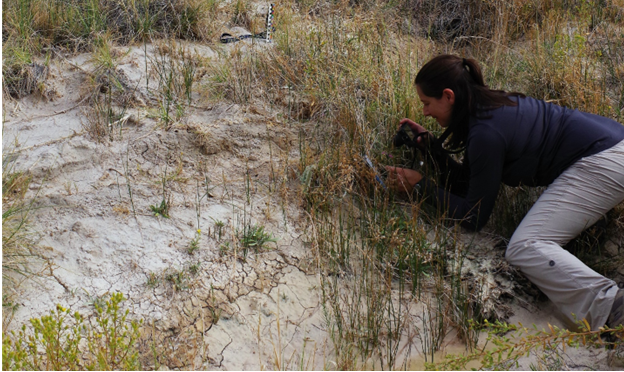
x=95, y=225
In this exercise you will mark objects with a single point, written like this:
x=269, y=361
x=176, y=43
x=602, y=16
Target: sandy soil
x=95, y=226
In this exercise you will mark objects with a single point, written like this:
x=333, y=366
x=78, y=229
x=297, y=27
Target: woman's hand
x=402, y=179
x=417, y=129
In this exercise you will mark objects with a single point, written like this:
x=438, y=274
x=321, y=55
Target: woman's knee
x=515, y=247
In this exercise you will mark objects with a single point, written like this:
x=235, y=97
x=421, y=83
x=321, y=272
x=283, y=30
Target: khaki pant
x=573, y=202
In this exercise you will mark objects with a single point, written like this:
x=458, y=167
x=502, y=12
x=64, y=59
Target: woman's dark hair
x=472, y=97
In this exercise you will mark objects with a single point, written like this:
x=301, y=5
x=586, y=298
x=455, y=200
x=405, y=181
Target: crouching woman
x=518, y=140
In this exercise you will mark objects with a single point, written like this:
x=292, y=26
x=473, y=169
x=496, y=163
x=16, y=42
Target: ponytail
x=472, y=97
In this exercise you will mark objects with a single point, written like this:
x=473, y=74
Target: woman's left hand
x=402, y=179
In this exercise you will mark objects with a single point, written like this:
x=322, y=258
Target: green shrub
x=66, y=341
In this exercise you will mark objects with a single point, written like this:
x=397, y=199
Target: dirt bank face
x=218, y=168
x=223, y=170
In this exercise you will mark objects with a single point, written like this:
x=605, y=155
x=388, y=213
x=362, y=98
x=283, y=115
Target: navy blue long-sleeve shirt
x=529, y=144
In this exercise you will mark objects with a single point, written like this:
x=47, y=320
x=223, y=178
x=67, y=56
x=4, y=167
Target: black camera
x=404, y=136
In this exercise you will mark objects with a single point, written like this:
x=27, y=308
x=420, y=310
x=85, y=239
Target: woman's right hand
x=417, y=129
x=402, y=179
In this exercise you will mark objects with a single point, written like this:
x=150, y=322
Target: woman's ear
x=449, y=95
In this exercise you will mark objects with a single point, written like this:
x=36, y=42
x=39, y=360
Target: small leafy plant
x=218, y=227
x=254, y=237
x=161, y=210
x=179, y=279
x=194, y=244
x=224, y=249
x=194, y=268
x=152, y=280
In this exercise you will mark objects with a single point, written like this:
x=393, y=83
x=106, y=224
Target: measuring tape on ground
x=266, y=35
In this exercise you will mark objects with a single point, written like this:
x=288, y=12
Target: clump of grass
x=241, y=14
x=466, y=305
x=225, y=248
x=153, y=280
x=234, y=80
x=434, y=327
x=175, y=69
x=165, y=203
x=218, y=226
x=374, y=256
x=448, y=20
x=102, y=119
x=111, y=94
x=73, y=23
x=18, y=242
x=194, y=243
x=254, y=237
x=179, y=279
x=194, y=268
x=161, y=210
x=21, y=76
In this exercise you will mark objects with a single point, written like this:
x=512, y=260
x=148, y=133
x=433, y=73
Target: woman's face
x=438, y=108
